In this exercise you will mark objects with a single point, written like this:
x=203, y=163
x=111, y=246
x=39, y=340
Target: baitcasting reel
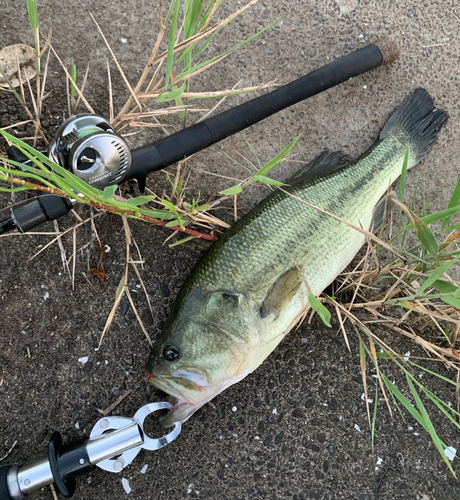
x=88, y=146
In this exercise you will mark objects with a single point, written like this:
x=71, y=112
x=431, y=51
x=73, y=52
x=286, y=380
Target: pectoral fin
x=281, y=292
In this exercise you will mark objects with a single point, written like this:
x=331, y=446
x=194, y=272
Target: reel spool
x=88, y=146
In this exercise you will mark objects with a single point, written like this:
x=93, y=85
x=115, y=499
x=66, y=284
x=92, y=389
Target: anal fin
x=382, y=212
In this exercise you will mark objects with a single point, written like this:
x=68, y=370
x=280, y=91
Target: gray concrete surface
x=288, y=431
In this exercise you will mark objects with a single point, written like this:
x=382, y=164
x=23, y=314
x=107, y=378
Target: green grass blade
x=267, y=180
x=171, y=96
x=140, y=200
x=232, y=191
x=11, y=88
x=171, y=43
x=157, y=214
x=41, y=160
x=278, y=158
x=427, y=370
x=436, y=274
x=429, y=219
x=192, y=18
x=33, y=14
x=404, y=401
x=109, y=191
x=444, y=286
x=183, y=240
x=317, y=306
x=253, y=152
x=428, y=425
x=11, y=190
x=73, y=76
x=453, y=202
x=374, y=416
x=452, y=301
x=425, y=235
x=185, y=73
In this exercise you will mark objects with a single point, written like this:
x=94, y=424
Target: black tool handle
x=6, y=492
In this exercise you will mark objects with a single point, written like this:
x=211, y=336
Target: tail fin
x=417, y=123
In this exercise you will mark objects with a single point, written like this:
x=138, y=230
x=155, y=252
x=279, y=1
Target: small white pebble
x=449, y=403
x=357, y=427
x=379, y=461
x=375, y=376
x=126, y=485
x=106, y=249
x=450, y=452
x=46, y=296
x=274, y=411
x=123, y=40
x=234, y=408
x=144, y=469
x=257, y=438
x=226, y=465
x=410, y=428
x=106, y=362
x=361, y=36
x=235, y=435
x=416, y=434
x=305, y=340
x=189, y=489
x=138, y=286
x=59, y=274
x=77, y=425
x=83, y=360
x=325, y=404
x=340, y=417
x=364, y=87
x=407, y=356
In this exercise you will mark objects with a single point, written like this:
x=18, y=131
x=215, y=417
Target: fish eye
x=170, y=353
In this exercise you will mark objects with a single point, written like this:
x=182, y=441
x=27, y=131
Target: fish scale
x=253, y=285
x=282, y=230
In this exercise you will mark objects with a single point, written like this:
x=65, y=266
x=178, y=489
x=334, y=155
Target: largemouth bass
x=252, y=286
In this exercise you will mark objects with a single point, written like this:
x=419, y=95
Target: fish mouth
x=165, y=386
x=182, y=408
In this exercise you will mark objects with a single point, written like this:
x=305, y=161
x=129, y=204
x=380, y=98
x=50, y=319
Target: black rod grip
x=192, y=139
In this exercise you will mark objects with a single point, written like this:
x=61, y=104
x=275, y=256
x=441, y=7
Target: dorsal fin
x=323, y=165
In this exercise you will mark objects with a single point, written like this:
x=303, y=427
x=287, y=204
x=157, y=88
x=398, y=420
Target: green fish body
x=252, y=286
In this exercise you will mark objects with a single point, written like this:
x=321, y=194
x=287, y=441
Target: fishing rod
x=88, y=145
x=113, y=444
